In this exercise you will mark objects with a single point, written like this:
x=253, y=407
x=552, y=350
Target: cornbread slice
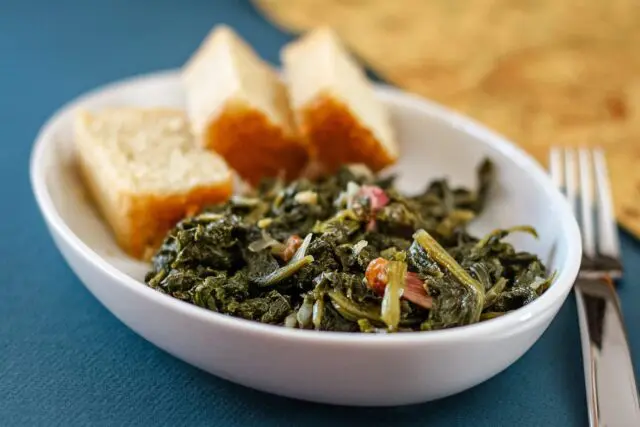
x=145, y=172
x=239, y=108
x=334, y=103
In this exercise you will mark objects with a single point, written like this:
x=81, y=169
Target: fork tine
x=555, y=167
x=607, y=230
x=570, y=178
x=586, y=203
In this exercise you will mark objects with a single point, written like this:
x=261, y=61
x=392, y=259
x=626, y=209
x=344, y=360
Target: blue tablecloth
x=65, y=360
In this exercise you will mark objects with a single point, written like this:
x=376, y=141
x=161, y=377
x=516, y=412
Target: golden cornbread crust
x=141, y=222
x=253, y=146
x=336, y=137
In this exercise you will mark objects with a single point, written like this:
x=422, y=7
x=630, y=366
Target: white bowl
x=338, y=368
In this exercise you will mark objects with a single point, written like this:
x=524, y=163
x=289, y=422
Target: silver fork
x=612, y=395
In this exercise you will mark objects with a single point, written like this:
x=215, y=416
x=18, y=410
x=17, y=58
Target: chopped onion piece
x=305, y=313
x=264, y=222
x=306, y=198
x=345, y=199
x=245, y=201
x=358, y=247
x=361, y=170
x=265, y=242
x=210, y=216
x=290, y=321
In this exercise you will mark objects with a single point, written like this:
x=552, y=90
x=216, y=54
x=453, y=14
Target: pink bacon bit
x=371, y=225
x=376, y=195
x=378, y=199
x=414, y=290
x=291, y=245
x=376, y=275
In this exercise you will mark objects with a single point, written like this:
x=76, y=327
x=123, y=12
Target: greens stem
x=503, y=233
x=390, y=310
x=349, y=310
x=283, y=273
x=446, y=261
x=493, y=293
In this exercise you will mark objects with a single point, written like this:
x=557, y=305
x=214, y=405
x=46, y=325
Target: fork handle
x=612, y=395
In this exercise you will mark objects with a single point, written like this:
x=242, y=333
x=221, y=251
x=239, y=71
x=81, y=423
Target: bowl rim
x=518, y=318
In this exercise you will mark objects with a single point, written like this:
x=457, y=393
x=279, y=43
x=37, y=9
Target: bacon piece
x=291, y=246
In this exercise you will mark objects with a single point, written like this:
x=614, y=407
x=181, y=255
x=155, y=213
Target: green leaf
x=475, y=291
x=227, y=257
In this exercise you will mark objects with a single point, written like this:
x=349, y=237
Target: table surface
x=65, y=360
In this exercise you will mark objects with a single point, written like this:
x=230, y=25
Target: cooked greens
x=349, y=253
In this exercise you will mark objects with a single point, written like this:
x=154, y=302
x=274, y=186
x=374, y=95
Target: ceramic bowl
x=338, y=368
